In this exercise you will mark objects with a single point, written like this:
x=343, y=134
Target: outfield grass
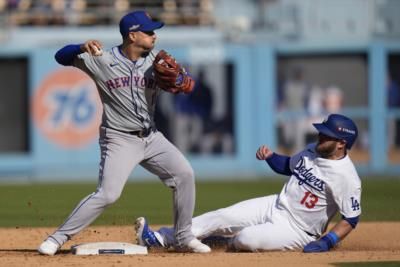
x=49, y=205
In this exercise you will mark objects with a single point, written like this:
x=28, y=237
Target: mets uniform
x=128, y=137
x=298, y=215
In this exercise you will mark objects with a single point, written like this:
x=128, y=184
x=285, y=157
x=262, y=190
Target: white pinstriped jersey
x=127, y=89
x=318, y=188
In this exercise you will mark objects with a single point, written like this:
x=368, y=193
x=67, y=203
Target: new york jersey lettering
x=125, y=81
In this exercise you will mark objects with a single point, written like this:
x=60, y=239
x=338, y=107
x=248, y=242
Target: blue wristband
x=331, y=238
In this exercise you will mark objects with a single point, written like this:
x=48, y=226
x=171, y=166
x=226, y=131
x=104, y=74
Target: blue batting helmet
x=340, y=127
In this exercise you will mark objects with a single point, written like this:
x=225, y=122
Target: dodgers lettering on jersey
x=307, y=176
x=127, y=89
x=318, y=188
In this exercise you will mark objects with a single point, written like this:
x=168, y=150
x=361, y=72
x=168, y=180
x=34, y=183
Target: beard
x=326, y=150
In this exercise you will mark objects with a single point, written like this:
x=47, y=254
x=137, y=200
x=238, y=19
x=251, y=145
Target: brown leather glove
x=170, y=76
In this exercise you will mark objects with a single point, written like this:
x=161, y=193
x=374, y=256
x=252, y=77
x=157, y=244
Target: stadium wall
x=72, y=155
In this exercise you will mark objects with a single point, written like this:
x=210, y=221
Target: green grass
x=49, y=205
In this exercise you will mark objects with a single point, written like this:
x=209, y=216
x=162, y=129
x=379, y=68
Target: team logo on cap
x=67, y=109
x=134, y=27
x=341, y=129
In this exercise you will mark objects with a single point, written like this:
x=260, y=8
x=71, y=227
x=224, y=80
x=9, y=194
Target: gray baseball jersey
x=128, y=93
x=127, y=89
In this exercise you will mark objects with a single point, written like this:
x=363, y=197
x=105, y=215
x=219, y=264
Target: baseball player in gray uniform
x=322, y=181
x=128, y=136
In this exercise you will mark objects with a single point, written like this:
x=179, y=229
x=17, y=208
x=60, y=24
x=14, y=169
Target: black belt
x=312, y=235
x=141, y=133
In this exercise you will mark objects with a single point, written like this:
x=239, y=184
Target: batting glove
x=322, y=245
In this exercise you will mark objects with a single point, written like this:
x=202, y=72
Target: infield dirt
x=378, y=241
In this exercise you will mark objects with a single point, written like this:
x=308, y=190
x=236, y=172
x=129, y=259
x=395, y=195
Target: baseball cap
x=138, y=21
x=340, y=127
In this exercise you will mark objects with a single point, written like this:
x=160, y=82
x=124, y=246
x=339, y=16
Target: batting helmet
x=340, y=127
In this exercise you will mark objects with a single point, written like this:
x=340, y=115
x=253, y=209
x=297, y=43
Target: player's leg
x=120, y=153
x=279, y=234
x=168, y=163
x=228, y=221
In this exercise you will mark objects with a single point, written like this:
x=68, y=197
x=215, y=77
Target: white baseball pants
x=255, y=225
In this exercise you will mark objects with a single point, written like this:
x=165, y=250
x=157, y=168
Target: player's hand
x=263, y=152
x=322, y=245
x=316, y=246
x=93, y=47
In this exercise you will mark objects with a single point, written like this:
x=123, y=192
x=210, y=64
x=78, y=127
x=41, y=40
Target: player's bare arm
x=342, y=229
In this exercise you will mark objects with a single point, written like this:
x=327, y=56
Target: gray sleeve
x=87, y=63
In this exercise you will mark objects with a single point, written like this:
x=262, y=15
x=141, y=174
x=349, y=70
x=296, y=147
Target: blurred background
x=265, y=70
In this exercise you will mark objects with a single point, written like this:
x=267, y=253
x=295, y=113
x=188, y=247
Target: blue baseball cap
x=138, y=21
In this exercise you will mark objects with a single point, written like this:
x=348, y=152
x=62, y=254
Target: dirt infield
x=370, y=242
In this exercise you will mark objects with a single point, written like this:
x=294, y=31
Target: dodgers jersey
x=318, y=188
x=127, y=88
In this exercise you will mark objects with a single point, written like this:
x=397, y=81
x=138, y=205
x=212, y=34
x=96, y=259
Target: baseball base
x=99, y=248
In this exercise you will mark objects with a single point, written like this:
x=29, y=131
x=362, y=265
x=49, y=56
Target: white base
x=99, y=248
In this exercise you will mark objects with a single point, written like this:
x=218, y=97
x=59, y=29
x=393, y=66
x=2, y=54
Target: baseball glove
x=170, y=76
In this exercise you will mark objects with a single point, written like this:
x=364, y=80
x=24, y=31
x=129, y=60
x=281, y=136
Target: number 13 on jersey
x=309, y=200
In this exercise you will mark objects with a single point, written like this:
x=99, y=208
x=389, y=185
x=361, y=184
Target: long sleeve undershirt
x=65, y=56
x=280, y=164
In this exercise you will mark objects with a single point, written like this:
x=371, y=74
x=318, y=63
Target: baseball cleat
x=49, y=248
x=145, y=236
x=197, y=247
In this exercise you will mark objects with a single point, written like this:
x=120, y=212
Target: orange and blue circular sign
x=67, y=108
